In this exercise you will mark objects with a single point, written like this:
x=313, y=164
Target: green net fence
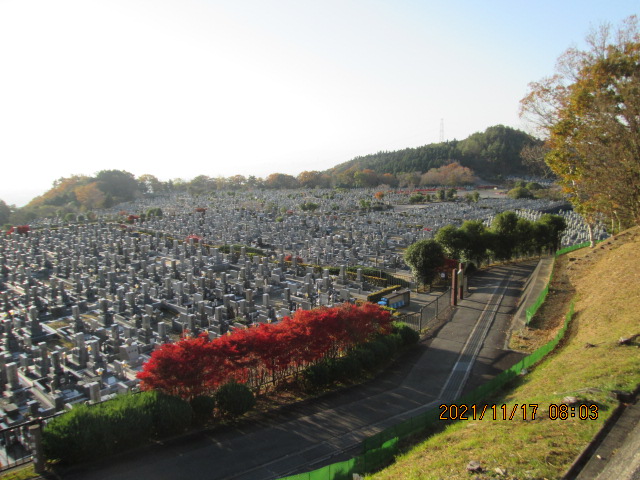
x=370, y=461
x=578, y=246
x=533, y=309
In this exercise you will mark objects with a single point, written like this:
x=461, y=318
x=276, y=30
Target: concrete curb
x=582, y=459
x=531, y=291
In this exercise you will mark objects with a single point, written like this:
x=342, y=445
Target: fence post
x=454, y=287
x=35, y=432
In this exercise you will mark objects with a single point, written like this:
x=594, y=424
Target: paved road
x=466, y=350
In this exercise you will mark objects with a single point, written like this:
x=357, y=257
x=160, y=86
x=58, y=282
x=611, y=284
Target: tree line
x=494, y=152
x=508, y=237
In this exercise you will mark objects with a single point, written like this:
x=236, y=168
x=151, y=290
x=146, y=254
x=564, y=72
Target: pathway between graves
x=466, y=351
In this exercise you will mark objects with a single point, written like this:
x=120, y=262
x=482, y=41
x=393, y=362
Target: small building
x=397, y=299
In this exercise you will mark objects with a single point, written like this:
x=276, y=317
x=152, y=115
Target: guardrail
x=18, y=443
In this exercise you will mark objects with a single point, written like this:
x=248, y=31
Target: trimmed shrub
x=366, y=357
x=170, y=414
x=379, y=349
x=519, y=192
x=376, y=296
x=347, y=368
x=393, y=342
x=88, y=431
x=409, y=335
x=318, y=375
x=234, y=399
x=202, y=407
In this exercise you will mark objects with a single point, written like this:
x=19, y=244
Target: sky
x=180, y=88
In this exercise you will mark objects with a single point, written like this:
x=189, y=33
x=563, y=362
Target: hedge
x=376, y=296
x=89, y=432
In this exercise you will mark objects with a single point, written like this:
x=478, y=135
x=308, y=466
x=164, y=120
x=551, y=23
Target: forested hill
x=492, y=152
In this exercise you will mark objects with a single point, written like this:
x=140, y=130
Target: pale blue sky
x=178, y=88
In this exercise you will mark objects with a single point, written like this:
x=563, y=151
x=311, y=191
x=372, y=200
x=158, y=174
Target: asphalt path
x=466, y=351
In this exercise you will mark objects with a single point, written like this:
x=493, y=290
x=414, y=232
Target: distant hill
x=489, y=154
x=496, y=151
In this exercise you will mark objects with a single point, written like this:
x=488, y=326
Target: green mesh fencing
x=578, y=246
x=532, y=310
x=411, y=426
x=377, y=458
x=370, y=461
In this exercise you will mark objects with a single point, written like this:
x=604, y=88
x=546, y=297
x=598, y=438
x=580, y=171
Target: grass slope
x=588, y=364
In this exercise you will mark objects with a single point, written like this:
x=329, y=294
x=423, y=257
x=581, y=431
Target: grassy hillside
x=589, y=365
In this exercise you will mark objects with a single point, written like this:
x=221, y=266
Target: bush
x=88, y=431
x=416, y=198
x=519, y=192
x=154, y=212
x=393, y=343
x=347, y=368
x=408, y=335
x=366, y=357
x=379, y=349
x=234, y=399
x=376, y=296
x=202, y=407
x=170, y=414
x=318, y=375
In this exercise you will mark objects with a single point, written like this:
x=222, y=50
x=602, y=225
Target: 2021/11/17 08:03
x=525, y=411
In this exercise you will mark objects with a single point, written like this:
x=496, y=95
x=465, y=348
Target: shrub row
x=88, y=432
x=376, y=296
x=363, y=359
x=263, y=355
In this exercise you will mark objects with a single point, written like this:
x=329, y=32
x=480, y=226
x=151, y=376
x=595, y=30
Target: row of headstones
x=446, y=211
x=79, y=353
x=170, y=286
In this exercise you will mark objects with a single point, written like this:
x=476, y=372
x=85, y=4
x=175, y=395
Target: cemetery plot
x=83, y=306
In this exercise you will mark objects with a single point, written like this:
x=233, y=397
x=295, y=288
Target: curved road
x=466, y=351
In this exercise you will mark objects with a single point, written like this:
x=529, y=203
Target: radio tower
x=441, y=130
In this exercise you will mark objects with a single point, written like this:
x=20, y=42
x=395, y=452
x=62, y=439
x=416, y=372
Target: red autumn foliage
x=448, y=265
x=201, y=210
x=289, y=258
x=183, y=368
x=196, y=238
x=268, y=352
x=21, y=229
